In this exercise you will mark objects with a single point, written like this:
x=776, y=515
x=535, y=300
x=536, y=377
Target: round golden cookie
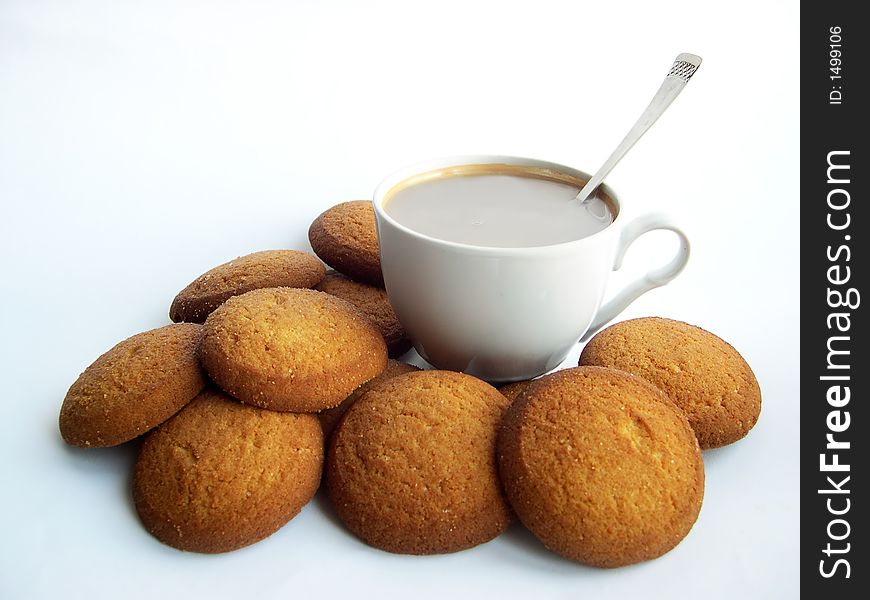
x=601, y=466
x=511, y=391
x=290, y=349
x=411, y=467
x=374, y=303
x=329, y=418
x=220, y=475
x=133, y=387
x=270, y=268
x=700, y=372
x=345, y=238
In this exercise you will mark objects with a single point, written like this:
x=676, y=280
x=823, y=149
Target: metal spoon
x=684, y=67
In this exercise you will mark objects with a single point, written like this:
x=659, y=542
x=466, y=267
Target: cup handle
x=653, y=279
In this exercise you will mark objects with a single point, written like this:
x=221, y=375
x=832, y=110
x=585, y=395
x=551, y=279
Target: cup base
x=498, y=370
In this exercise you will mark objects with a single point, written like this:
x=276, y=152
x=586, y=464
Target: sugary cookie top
x=704, y=375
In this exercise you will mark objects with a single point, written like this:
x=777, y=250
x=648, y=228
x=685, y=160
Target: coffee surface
x=507, y=209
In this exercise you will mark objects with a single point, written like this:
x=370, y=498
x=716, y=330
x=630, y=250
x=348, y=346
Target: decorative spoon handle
x=684, y=67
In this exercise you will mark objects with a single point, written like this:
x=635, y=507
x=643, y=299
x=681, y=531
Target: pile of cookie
x=276, y=374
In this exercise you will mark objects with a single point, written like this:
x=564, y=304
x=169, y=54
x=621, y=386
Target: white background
x=144, y=142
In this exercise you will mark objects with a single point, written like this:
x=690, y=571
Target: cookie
x=373, y=302
x=411, y=467
x=220, y=475
x=345, y=238
x=601, y=466
x=329, y=418
x=270, y=268
x=512, y=391
x=700, y=372
x=133, y=387
x=290, y=349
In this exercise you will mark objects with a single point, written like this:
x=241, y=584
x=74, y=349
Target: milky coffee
x=498, y=205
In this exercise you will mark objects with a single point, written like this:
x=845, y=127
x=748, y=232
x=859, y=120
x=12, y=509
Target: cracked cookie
x=133, y=387
x=290, y=349
x=601, y=466
x=220, y=475
x=266, y=269
x=700, y=372
x=411, y=467
x=345, y=238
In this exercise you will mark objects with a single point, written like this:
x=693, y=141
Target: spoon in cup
x=682, y=70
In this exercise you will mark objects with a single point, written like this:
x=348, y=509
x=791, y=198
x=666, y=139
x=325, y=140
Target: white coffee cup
x=507, y=314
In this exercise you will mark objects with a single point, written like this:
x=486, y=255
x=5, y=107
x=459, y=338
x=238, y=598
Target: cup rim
x=400, y=175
